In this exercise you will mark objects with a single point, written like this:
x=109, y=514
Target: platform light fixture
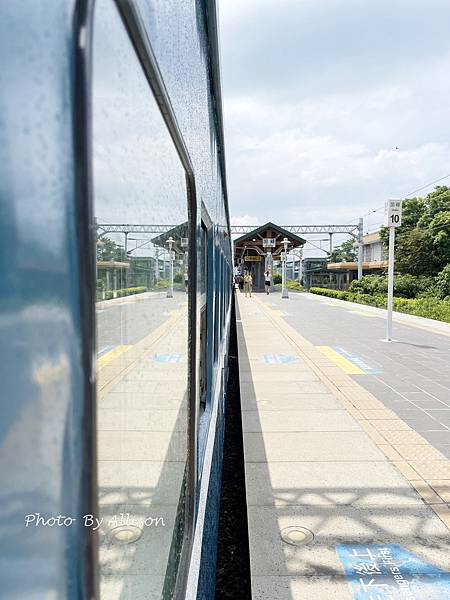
x=170, y=242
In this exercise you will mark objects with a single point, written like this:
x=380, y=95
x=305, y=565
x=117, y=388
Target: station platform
x=340, y=496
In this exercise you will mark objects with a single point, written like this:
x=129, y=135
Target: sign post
x=393, y=214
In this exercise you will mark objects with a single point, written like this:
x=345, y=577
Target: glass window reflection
x=142, y=324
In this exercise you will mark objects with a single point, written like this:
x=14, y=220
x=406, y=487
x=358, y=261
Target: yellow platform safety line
x=366, y=314
x=111, y=355
x=346, y=365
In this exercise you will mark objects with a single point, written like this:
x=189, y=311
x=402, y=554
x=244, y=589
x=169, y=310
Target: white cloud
x=319, y=94
x=244, y=220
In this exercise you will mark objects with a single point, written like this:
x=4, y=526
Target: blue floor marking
x=279, y=359
x=390, y=572
x=357, y=361
x=165, y=358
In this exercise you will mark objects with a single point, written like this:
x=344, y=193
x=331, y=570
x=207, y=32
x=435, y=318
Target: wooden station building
x=255, y=252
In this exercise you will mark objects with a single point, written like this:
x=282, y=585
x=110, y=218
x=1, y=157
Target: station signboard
x=251, y=258
x=393, y=213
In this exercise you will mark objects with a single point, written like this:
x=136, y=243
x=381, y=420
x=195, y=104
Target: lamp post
x=300, y=265
x=284, y=291
x=170, y=243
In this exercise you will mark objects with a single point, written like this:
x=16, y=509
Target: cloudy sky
x=318, y=94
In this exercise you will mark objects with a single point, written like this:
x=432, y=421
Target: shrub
x=405, y=286
x=109, y=295
x=162, y=283
x=293, y=284
x=369, y=284
x=277, y=278
x=410, y=286
x=443, y=283
x=429, y=307
x=178, y=278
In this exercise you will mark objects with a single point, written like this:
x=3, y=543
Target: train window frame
x=139, y=40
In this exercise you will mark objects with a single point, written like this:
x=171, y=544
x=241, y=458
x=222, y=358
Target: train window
x=216, y=301
x=204, y=305
x=142, y=324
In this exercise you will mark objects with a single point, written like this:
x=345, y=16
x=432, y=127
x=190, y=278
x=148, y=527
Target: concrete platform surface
x=329, y=469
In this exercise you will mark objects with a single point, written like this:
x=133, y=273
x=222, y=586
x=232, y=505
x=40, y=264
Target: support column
x=126, y=257
x=360, y=248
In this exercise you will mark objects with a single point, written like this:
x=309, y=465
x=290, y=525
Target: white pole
x=360, y=248
x=170, y=242
x=284, y=291
x=390, y=284
x=300, y=265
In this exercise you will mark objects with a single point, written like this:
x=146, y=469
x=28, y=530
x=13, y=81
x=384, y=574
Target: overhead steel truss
x=352, y=229
x=302, y=229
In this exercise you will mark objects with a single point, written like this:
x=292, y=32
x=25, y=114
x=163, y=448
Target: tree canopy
x=422, y=245
x=107, y=249
x=345, y=252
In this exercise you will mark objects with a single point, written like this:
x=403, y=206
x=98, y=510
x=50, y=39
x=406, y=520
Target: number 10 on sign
x=393, y=220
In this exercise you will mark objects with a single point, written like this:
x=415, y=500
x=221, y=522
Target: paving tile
x=442, y=487
x=406, y=470
x=414, y=527
x=382, y=413
x=390, y=425
x=296, y=402
x=336, y=420
x=390, y=452
x=433, y=469
x=310, y=446
x=306, y=588
x=137, y=587
x=364, y=402
x=404, y=437
x=143, y=420
x=443, y=416
x=426, y=403
x=418, y=452
x=142, y=445
x=443, y=448
x=274, y=390
x=270, y=376
x=438, y=437
x=426, y=492
x=318, y=483
x=142, y=400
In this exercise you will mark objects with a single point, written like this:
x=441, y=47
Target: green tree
x=345, y=252
x=422, y=245
x=443, y=283
x=108, y=250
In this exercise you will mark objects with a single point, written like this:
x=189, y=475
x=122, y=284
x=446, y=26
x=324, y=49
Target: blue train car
x=115, y=294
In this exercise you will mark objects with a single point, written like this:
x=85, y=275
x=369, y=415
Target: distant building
x=318, y=272
x=255, y=252
x=374, y=263
x=315, y=272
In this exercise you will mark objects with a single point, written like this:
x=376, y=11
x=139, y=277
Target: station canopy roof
x=255, y=238
x=179, y=234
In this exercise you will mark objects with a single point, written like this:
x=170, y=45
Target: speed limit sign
x=393, y=213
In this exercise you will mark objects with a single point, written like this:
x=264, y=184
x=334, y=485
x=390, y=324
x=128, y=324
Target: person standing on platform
x=248, y=282
x=267, y=281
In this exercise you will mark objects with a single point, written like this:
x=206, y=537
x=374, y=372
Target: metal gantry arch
x=353, y=229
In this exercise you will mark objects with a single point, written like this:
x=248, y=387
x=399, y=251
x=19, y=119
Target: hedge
x=430, y=308
x=109, y=295
x=291, y=284
x=405, y=286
